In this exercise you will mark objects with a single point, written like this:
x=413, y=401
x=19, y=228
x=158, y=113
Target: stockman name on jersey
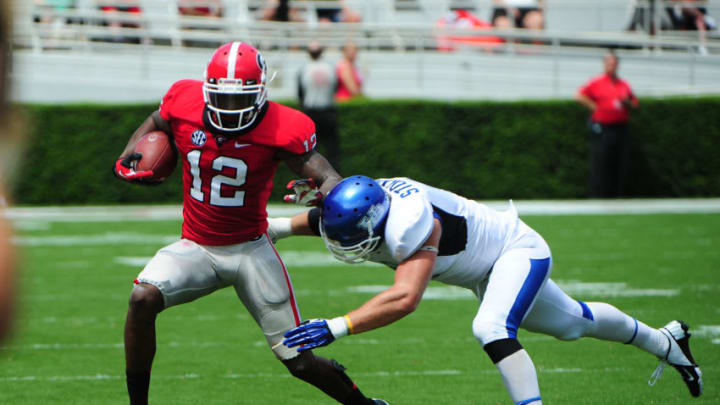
x=400, y=187
x=199, y=137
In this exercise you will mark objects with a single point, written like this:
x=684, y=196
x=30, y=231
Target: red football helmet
x=235, y=86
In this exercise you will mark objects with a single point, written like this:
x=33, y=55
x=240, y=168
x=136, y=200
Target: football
x=158, y=155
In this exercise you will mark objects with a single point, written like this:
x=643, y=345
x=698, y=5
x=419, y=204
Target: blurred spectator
x=339, y=13
x=643, y=18
x=518, y=14
x=610, y=99
x=686, y=15
x=46, y=10
x=49, y=13
x=350, y=80
x=317, y=83
x=118, y=8
x=8, y=153
x=280, y=10
x=200, y=8
x=206, y=11
x=464, y=20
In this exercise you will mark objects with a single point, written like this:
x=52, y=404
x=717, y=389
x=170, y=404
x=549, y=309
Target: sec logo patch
x=199, y=138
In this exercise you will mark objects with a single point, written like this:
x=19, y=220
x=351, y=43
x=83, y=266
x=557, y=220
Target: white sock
x=518, y=374
x=612, y=324
x=651, y=340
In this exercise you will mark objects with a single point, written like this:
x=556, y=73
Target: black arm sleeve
x=314, y=220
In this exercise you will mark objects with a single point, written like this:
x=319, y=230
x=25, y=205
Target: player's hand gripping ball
x=152, y=161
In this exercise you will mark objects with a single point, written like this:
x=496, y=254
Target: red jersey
x=608, y=95
x=226, y=185
x=343, y=93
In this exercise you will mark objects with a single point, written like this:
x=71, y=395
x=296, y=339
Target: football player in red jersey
x=230, y=140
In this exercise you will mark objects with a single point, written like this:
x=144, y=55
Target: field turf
x=76, y=278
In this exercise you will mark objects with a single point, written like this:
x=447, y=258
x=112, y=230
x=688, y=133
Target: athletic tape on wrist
x=349, y=324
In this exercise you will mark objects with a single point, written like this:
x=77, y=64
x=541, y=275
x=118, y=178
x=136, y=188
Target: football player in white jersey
x=426, y=233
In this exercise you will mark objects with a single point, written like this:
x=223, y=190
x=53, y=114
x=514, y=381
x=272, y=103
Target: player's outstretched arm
x=411, y=279
x=282, y=227
x=313, y=165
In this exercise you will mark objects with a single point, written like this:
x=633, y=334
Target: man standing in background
x=610, y=99
x=317, y=83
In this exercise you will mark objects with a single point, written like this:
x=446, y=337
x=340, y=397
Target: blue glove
x=310, y=334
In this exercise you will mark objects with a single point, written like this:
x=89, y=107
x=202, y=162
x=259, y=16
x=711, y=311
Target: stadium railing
x=161, y=24
x=401, y=59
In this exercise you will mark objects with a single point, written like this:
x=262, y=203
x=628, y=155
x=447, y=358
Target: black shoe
x=680, y=357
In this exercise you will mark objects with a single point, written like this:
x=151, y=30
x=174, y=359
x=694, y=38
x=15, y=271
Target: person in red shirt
x=464, y=20
x=350, y=81
x=610, y=99
x=230, y=140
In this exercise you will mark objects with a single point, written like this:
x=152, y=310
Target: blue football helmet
x=353, y=218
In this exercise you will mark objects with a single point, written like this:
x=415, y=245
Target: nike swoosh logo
x=241, y=145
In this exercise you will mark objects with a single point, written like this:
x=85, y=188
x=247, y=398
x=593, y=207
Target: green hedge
x=482, y=150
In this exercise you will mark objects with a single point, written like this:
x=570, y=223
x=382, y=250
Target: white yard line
x=525, y=207
x=407, y=373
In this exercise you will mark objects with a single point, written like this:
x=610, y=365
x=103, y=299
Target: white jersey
x=318, y=81
x=473, y=235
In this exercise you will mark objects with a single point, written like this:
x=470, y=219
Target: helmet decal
x=232, y=60
x=374, y=215
x=261, y=62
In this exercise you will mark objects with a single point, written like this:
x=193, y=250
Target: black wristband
x=314, y=220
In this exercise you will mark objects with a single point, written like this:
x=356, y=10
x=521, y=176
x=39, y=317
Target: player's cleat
x=679, y=356
x=380, y=401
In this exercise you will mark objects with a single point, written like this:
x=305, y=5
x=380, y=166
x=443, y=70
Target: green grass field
x=77, y=276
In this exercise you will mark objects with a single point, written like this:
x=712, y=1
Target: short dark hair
x=315, y=51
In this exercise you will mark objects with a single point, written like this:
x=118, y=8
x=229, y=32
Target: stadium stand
x=398, y=40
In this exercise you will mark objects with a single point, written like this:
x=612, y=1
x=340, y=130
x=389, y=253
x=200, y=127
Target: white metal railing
x=400, y=59
x=74, y=28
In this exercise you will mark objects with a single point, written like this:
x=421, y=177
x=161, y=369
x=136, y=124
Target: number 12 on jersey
x=219, y=163
x=311, y=144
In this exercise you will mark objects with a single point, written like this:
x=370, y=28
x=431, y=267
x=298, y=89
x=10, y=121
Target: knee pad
x=487, y=330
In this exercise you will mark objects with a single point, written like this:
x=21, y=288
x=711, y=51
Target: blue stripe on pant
x=529, y=401
x=536, y=276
